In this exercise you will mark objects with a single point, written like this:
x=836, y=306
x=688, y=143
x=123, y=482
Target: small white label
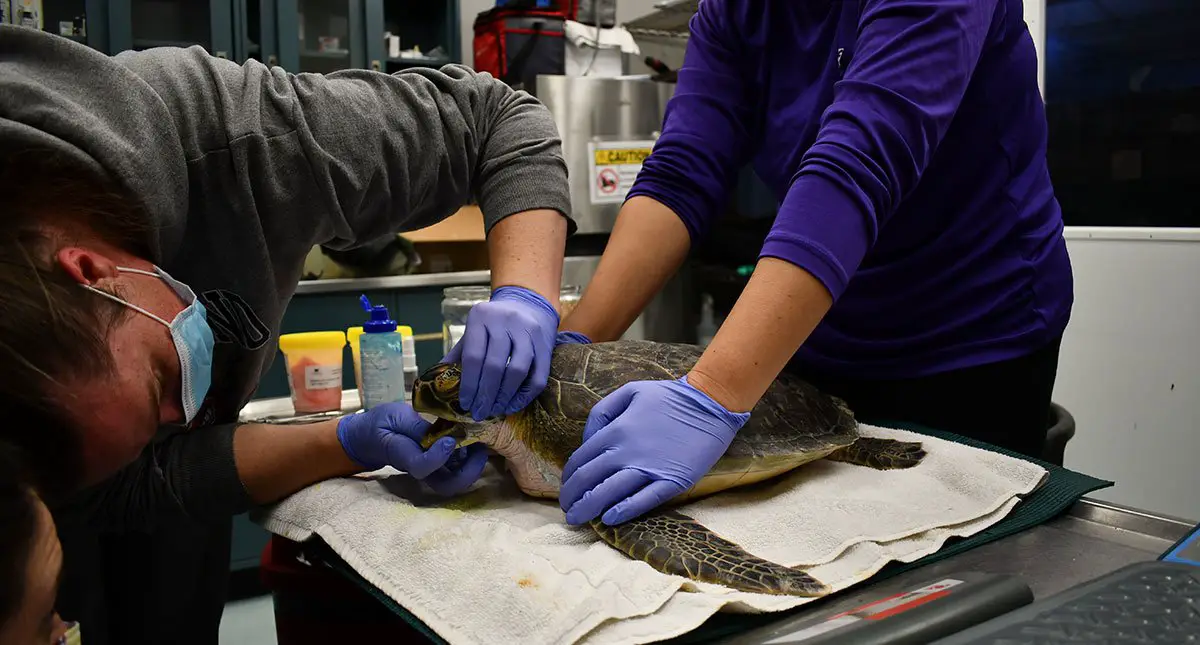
x=322, y=377
x=816, y=630
x=613, y=166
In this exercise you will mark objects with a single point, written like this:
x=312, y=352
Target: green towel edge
x=1062, y=489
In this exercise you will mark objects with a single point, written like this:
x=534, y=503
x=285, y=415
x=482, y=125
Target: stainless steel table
x=1090, y=540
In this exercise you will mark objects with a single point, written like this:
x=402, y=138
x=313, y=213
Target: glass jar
x=457, y=303
x=568, y=297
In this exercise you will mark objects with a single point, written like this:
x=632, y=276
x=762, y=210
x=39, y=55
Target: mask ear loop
x=154, y=445
x=127, y=304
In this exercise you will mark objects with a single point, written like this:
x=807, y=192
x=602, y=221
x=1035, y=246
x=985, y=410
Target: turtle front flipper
x=880, y=454
x=674, y=543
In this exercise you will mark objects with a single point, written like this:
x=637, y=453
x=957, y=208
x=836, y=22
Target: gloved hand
x=644, y=444
x=388, y=435
x=505, y=352
x=568, y=337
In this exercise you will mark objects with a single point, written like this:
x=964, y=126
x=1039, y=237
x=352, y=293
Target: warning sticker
x=612, y=167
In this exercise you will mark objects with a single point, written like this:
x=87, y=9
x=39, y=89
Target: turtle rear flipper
x=674, y=543
x=880, y=454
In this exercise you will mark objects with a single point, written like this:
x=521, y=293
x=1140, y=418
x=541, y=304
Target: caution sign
x=612, y=167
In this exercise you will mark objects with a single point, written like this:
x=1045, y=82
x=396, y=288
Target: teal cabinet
x=430, y=27
x=320, y=36
x=144, y=24
x=84, y=21
x=256, y=31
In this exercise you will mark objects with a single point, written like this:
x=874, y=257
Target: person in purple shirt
x=916, y=267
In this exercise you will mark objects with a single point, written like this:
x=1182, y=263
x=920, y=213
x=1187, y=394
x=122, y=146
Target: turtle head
x=436, y=392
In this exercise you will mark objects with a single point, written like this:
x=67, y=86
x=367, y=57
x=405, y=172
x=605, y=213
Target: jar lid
x=310, y=340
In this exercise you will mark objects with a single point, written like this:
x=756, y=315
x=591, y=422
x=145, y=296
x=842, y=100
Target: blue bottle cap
x=380, y=322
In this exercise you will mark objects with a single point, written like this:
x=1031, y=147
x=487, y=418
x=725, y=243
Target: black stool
x=1062, y=428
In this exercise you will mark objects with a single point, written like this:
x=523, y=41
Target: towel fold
x=494, y=566
x=581, y=35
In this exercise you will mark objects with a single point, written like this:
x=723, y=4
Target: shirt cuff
x=823, y=228
x=683, y=207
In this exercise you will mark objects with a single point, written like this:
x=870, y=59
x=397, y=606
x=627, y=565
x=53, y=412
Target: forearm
x=189, y=474
x=526, y=250
x=775, y=314
x=211, y=472
x=274, y=461
x=647, y=245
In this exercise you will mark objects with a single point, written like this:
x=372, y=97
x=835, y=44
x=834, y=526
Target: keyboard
x=1154, y=603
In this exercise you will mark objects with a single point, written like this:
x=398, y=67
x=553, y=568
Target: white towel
x=494, y=566
x=581, y=35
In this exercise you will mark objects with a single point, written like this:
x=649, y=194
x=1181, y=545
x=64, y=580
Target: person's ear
x=86, y=266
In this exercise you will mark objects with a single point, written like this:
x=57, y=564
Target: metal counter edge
x=393, y=282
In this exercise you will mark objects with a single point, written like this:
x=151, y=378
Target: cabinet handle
x=272, y=61
x=221, y=54
x=376, y=66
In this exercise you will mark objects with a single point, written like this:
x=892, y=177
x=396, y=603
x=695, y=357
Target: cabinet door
x=144, y=24
x=84, y=21
x=321, y=35
x=256, y=31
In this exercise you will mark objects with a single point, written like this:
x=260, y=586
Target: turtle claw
x=880, y=454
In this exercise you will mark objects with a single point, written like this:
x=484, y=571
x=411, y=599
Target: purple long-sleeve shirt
x=906, y=140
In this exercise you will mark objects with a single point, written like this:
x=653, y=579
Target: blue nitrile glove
x=505, y=352
x=568, y=337
x=388, y=435
x=644, y=444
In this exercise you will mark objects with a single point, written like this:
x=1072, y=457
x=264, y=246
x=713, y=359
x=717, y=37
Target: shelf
x=312, y=53
x=420, y=61
x=669, y=18
x=148, y=43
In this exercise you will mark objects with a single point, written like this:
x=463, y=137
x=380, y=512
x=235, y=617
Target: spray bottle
x=381, y=352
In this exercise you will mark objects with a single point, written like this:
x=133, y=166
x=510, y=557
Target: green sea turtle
x=793, y=424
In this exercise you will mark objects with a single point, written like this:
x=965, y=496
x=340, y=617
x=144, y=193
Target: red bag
x=515, y=45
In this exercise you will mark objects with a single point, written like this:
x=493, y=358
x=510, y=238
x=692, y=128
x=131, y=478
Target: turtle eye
x=444, y=383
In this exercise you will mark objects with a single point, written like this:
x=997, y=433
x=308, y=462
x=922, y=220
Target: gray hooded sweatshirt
x=243, y=168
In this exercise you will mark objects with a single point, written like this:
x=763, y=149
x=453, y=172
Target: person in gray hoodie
x=156, y=209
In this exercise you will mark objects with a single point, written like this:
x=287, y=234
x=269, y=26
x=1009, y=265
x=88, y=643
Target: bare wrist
x=339, y=464
x=725, y=396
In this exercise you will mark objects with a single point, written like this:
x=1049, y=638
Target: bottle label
x=322, y=377
x=383, y=372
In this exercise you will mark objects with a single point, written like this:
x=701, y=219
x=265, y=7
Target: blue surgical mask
x=191, y=334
